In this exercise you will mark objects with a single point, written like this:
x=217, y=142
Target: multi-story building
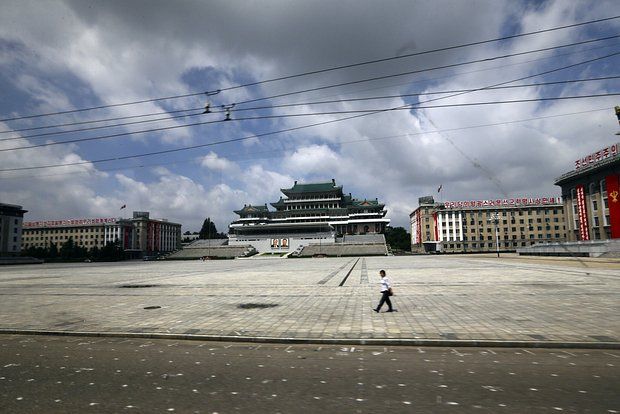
x=86, y=233
x=11, y=217
x=486, y=225
x=591, y=194
x=311, y=212
x=137, y=235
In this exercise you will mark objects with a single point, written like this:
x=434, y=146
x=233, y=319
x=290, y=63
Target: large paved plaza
x=439, y=298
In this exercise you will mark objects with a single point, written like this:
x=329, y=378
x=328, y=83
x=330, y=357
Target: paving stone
x=437, y=297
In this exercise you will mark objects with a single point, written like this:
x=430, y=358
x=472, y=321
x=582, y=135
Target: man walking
x=386, y=292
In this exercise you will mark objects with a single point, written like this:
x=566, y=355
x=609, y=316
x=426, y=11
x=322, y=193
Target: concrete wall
x=262, y=244
x=597, y=248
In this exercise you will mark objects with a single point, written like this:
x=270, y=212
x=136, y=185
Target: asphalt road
x=43, y=374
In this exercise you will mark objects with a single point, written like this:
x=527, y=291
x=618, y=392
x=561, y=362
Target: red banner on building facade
x=436, y=226
x=584, y=231
x=613, y=199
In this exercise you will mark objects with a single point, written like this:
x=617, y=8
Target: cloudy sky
x=59, y=56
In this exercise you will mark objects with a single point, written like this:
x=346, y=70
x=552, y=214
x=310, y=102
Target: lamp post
x=495, y=219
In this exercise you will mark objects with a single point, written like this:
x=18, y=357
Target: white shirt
x=385, y=284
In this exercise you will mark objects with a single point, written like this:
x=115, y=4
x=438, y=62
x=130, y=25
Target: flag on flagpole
x=440, y=187
x=123, y=206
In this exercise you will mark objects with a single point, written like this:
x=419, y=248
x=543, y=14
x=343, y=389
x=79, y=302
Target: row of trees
x=209, y=231
x=70, y=251
x=398, y=239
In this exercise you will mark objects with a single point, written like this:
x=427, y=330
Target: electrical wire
x=413, y=72
x=47, y=134
x=323, y=97
x=368, y=62
x=404, y=135
x=340, y=112
x=297, y=128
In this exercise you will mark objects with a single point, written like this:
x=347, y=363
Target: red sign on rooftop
x=597, y=156
x=69, y=222
x=504, y=202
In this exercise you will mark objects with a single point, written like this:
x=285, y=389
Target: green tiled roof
x=365, y=203
x=252, y=209
x=312, y=188
x=279, y=203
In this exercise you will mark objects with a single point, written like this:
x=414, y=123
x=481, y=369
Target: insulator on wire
x=207, y=108
x=228, y=109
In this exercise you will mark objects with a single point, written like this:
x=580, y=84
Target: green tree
x=67, y=250
x=209, y=231
x=52, y=251
x=112, y=251
x=398, y=238
x=95, y=253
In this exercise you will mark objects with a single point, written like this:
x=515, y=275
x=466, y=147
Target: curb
x=327, y=341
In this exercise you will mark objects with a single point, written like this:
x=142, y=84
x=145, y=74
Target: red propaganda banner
x=613, y=199
x=149, y=237
x=584, y=231
x=436, y=227
x=600, y=155
x=504, y=202
x=126, y=244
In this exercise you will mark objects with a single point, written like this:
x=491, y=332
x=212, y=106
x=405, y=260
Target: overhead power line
x=388, y=76
x=413, y=72
x=403, y=135
x=201, y=108
x=371, y=98
x=339, y=112
x=314, y=72
x=298, y=128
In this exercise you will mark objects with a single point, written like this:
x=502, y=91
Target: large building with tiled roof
x=308, y=212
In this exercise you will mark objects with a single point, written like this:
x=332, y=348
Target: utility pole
x=495, y=219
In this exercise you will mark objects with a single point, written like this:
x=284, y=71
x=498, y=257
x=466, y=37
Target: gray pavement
x=113, y=375
x=445, y=299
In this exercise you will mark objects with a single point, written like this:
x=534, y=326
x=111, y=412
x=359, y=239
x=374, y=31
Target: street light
x=495, y=219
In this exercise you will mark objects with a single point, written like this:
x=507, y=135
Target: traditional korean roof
x=279, y=203
x=326, y=187
x=366, y=203
x=252, y=209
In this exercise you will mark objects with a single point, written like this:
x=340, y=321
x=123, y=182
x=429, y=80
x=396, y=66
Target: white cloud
x=213, y=162
x=73, y=53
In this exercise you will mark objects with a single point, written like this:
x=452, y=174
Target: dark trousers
x=385, y=298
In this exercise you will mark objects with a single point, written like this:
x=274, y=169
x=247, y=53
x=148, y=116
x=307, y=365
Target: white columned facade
x=440, y=226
